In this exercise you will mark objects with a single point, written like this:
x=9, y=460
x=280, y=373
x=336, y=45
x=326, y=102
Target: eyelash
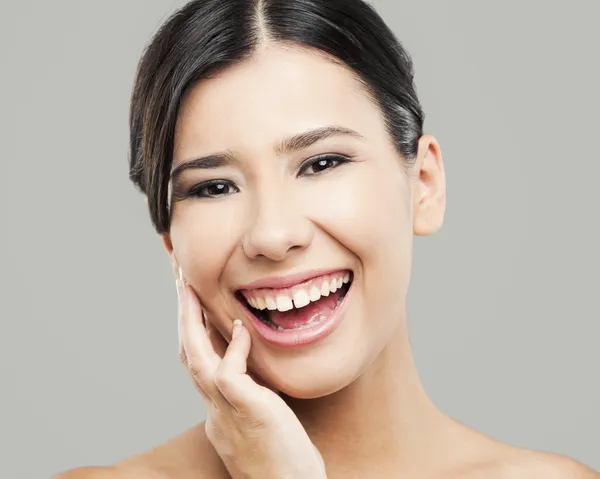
x=198, y=191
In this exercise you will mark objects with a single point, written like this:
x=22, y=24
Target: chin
x=303, y=384
x=334, y=360
x=317, y=372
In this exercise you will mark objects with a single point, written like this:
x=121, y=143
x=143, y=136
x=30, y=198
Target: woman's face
x=340, y=201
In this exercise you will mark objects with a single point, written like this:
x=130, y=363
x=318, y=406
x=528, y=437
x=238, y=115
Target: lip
x=279, y=282
x=302, y=337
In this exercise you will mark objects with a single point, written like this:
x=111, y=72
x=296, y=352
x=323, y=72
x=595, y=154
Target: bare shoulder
x=520, y=463
x=552, y=466
x=188, y=455
x=488, y=458
x=94, y=473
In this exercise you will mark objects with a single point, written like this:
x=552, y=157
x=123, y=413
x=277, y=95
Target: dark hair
x=205, y=37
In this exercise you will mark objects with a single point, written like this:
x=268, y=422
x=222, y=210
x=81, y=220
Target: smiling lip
x=300, y=337
x=279, y=282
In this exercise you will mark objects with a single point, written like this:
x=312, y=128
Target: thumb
x=231, y=377
x=236, y=355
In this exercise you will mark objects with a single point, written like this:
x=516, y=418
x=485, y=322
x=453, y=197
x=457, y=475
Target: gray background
x=503, y=306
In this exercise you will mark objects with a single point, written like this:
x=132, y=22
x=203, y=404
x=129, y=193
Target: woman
x=280, y=146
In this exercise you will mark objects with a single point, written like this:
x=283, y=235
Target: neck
x=384, y=417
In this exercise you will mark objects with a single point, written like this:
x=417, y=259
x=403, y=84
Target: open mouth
x=301, y=307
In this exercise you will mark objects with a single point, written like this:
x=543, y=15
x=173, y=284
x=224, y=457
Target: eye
x=213, y=189
x=321, y=164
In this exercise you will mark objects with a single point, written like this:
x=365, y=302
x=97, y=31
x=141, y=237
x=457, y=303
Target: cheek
x=367, y=210
x=200, y=238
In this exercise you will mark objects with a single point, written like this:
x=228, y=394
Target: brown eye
x=321, y=164
x=213, y=189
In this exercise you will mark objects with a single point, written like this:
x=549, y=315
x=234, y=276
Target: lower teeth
x=309, y=324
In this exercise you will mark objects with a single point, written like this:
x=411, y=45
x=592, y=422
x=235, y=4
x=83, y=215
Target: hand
x=252, y=429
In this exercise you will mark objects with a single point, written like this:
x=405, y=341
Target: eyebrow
x=293, y=143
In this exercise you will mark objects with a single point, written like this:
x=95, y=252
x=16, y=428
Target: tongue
x=313, y=311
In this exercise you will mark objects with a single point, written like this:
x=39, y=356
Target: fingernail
x=180, y=284
x=237, y=326
x=180, y=289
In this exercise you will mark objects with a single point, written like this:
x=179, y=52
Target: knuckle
x=213, y=432
x=255, y=424
x=194, y=371
x=222, y=378
x=195, y=374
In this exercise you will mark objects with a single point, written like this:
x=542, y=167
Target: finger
x=236, y=357
x=193, y=335
x=182, y=354
x=207, y=399
x=231, y=378
x=200, y=358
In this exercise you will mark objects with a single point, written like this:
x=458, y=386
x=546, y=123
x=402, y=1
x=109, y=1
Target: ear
x=429, y=189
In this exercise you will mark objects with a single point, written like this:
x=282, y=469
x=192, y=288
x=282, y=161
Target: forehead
x=276, y=93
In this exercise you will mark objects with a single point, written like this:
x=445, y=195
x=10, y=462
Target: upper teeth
x=298, y=296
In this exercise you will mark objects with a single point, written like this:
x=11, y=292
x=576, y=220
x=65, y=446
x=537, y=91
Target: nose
x=276, y=227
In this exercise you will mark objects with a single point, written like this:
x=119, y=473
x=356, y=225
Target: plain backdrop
x=503, y=306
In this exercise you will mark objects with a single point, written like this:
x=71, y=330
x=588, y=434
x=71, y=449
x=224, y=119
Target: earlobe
x=430, y=189
x=166, y=240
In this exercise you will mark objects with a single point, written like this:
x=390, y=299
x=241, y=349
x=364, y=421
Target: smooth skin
x=252, y=429
x=354, y=395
